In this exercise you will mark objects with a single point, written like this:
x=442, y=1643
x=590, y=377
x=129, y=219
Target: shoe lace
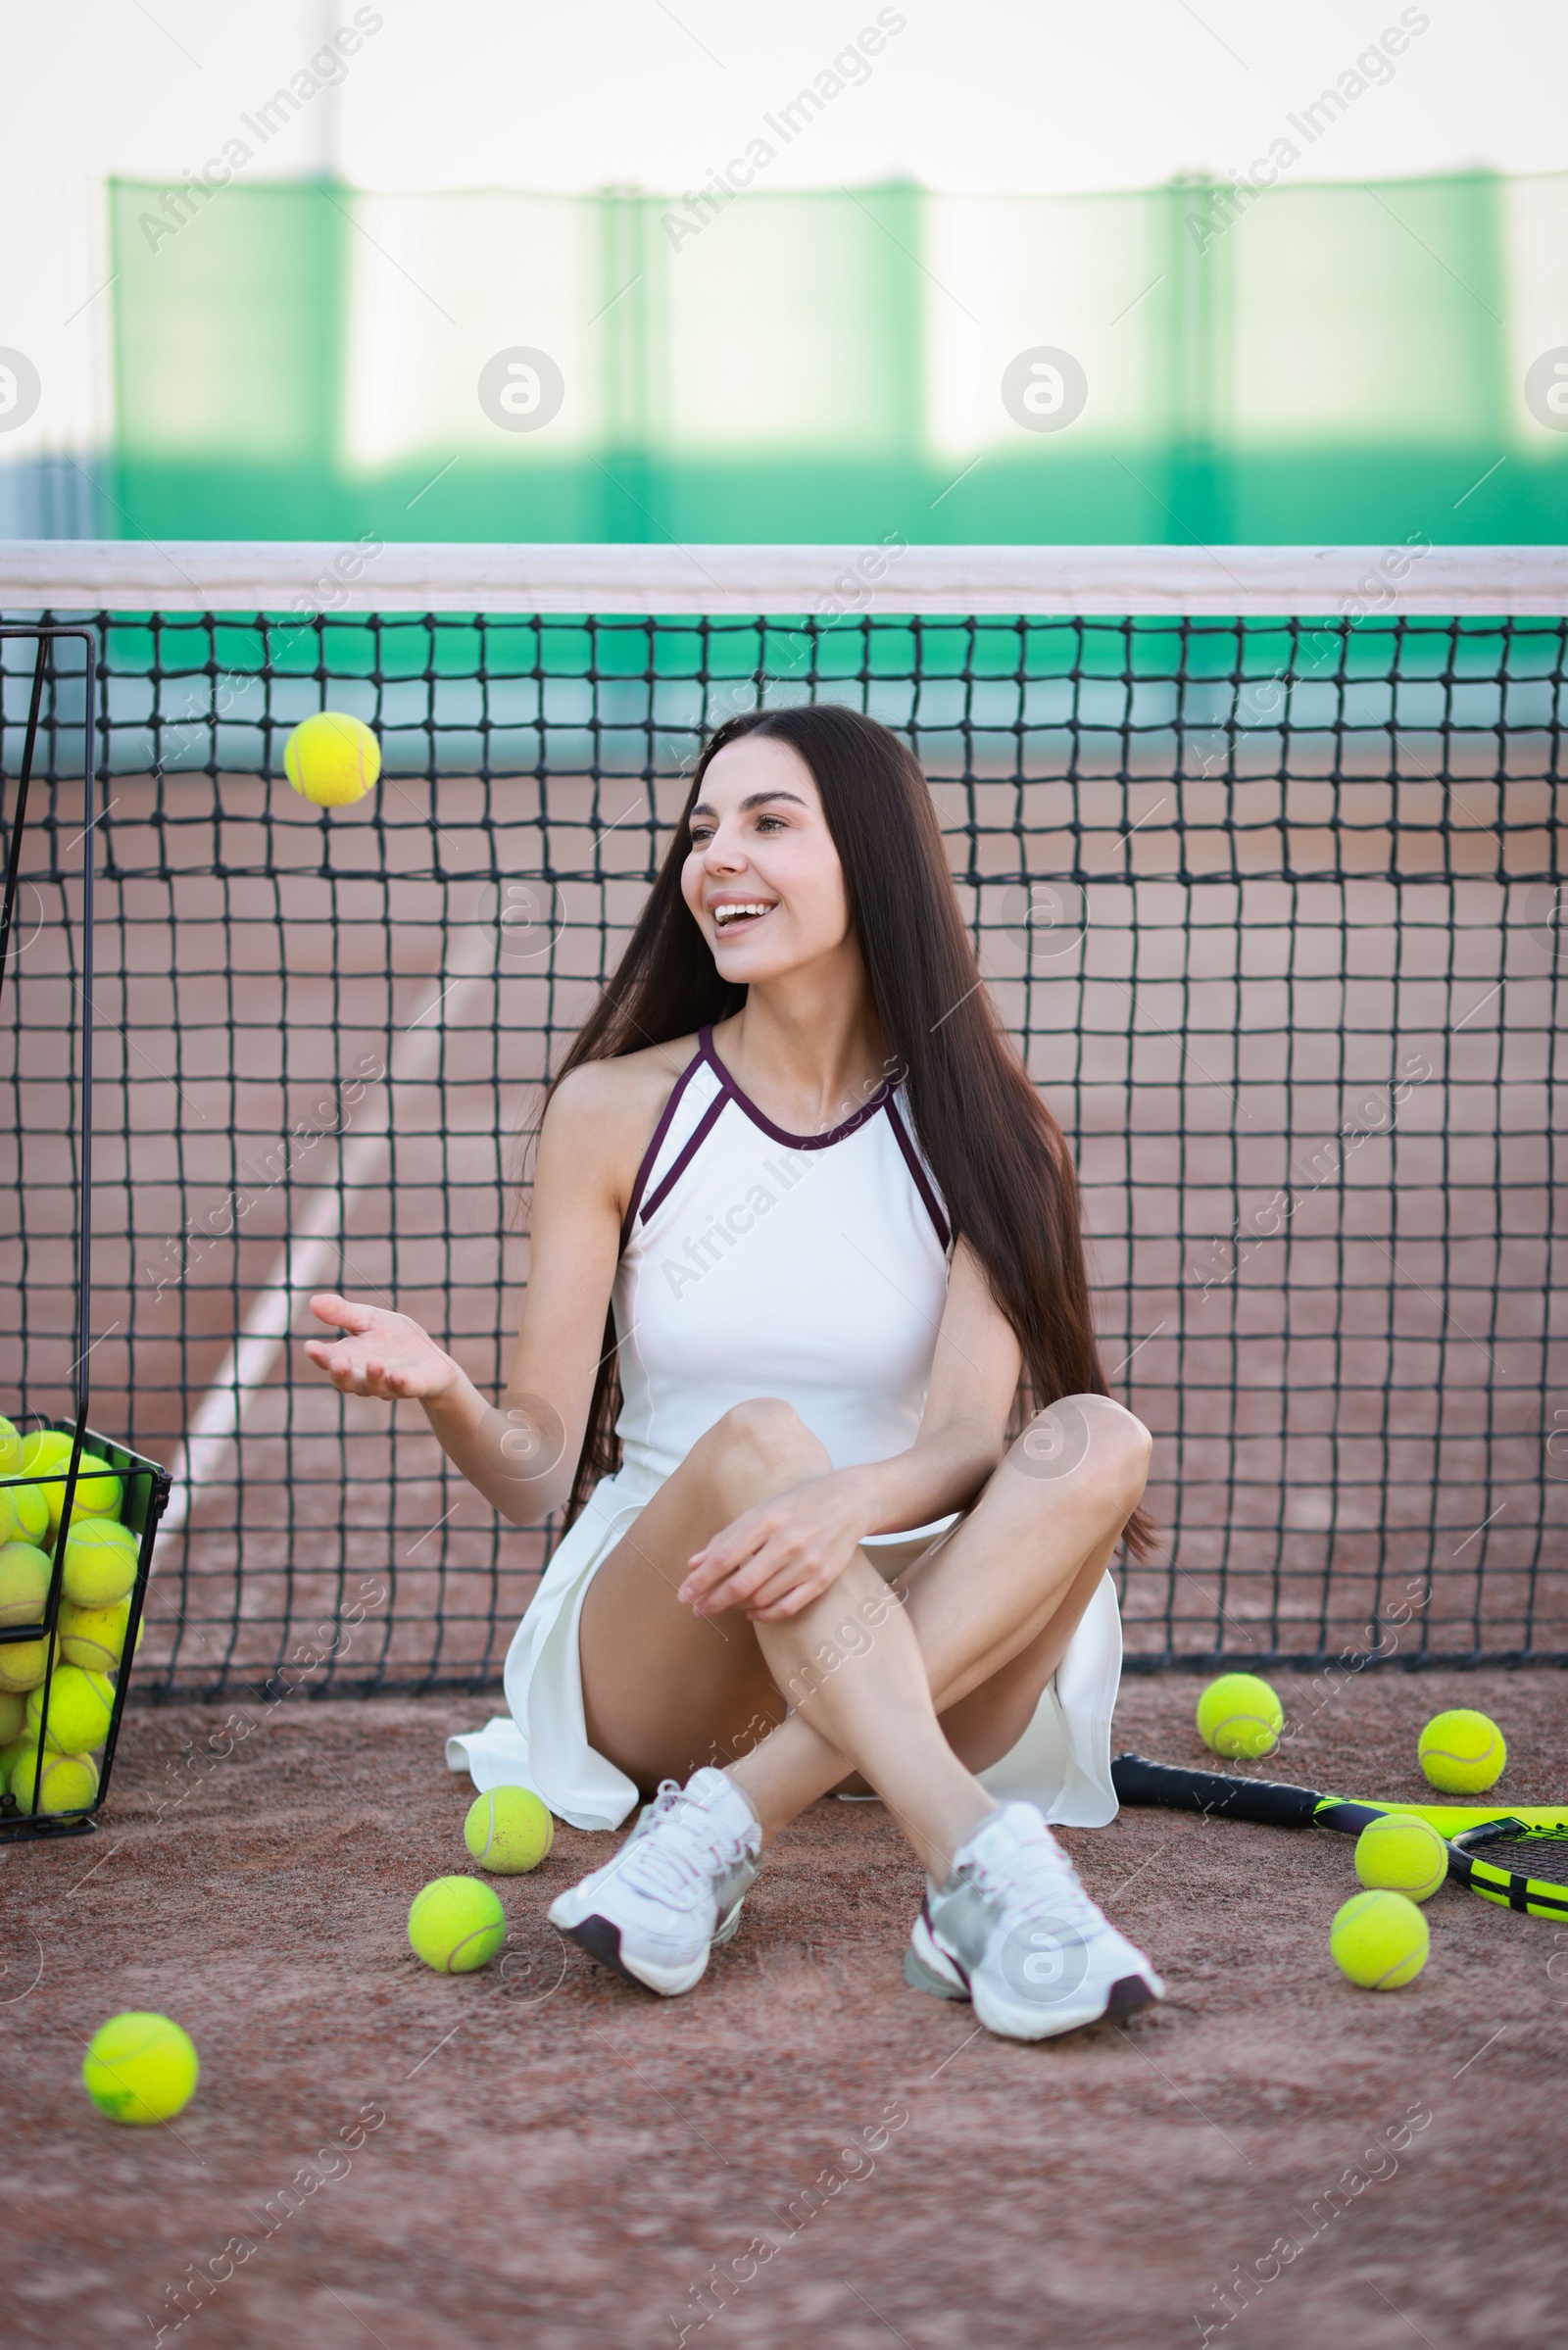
x=1038, y=1879
x=680, y=1851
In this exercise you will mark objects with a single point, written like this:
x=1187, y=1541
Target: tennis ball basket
x=78, y=1511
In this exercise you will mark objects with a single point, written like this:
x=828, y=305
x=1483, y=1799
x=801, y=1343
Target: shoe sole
x=599, y=1937
x=1127, y=1994
x=927, y=1966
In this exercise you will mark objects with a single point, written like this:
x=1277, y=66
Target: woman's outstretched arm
x=523, y=1455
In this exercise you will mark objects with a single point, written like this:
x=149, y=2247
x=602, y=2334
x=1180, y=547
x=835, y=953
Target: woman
x=837, y=1234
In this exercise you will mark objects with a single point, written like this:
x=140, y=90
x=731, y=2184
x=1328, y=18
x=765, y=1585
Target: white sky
x=989, y=95
x=982, y=95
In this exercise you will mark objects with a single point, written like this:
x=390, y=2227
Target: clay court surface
x=560, y=2160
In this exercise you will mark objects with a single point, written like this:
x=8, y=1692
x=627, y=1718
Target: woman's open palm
x=378, y=1353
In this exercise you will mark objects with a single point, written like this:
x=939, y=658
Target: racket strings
x=1524, y=1869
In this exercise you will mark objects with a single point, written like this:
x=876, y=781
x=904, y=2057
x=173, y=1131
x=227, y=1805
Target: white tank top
x=755, y=1263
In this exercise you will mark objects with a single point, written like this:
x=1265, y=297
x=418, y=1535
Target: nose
x=723, y=853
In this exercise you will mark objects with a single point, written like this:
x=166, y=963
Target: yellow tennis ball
x=1380, y=1941
x=23, y=1663
x=65, y=1782
x=1397, y=1854
x=1239, y=1714
x=12, y=1713
x=97, y=1493
x=1463, y=1752
x=100, y=1562
x=456, y=1924
x=24, y=1584
x=332, y=758
x=44, y=1450
x=140, y=2067
x=10, y=1754
x=46, y=1454
x=9, y=1448
x=74, y=1707
x=95, y=1636
x=508, y=1831
x=31, y=1511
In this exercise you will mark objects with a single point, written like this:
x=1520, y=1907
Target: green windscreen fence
x=1348, y=363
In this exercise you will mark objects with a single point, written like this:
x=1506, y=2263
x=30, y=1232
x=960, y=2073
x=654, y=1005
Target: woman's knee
x=1086, y=1438
x=757, y=1445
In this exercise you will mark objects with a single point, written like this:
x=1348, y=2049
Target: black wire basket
x=55, y=1801
x=144, y=1493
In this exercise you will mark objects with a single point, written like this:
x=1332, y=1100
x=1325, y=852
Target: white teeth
x=724, y=914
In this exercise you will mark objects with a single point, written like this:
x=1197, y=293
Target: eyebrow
x=753, y=800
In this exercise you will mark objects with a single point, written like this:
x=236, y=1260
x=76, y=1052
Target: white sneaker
x=673, y=1889
x=1013, y=1931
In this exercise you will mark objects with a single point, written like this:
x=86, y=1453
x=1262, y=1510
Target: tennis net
x=1261, y=857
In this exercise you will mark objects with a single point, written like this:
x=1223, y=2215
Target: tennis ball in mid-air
x=100, y=1562
x=456, y=1924
x=23, y=1663
x=74, y=1709
x=65, y=1782
x=1397, y=1854
x=140, y=2067
x=332, y=758
x=1380, y=1941
x=508, y=1831
x=24, y=1584
x=9, y=1448
x=95, y=1636
x=1239, y=1714
x=1463, y=1752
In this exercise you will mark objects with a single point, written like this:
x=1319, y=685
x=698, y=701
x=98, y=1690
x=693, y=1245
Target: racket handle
x=1266, y=1800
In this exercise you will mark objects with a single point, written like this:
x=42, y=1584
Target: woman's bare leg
x=988, y=1619
x=666, y=1689
x=991, y=1611
x=984, y=1726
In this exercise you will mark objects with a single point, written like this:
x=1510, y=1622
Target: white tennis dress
x=811, y=1267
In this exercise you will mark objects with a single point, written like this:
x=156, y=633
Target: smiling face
x=763, y=878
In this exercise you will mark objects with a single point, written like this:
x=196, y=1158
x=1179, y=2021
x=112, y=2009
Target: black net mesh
x=1271, y=908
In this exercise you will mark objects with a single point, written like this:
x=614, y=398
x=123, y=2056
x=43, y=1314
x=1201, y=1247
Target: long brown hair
x=1001, y=1161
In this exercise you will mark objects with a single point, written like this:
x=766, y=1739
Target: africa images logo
x=21, y=389
x=1044, y=1960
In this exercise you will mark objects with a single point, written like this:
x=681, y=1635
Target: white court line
x=307, y=1257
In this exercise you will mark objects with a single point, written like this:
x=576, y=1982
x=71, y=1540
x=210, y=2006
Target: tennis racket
x=1484, y=1845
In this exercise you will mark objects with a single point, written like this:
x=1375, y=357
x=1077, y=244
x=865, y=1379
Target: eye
x=698, y=833
x=766, y=823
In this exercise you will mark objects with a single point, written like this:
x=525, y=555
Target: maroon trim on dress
x=923, y=1182
x=653, y=1150
x=792, y=1141
x=687, y=1152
